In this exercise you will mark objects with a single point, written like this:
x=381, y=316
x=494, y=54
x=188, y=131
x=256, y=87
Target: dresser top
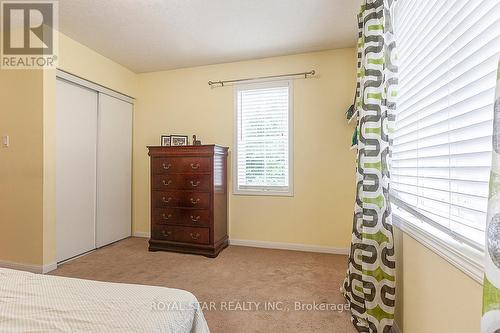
x=187, y=150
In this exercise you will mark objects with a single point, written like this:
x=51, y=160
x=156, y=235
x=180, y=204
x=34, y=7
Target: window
x=448, y=53
x=263, y=139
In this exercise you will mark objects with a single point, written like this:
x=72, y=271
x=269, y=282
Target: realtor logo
x=28, y=34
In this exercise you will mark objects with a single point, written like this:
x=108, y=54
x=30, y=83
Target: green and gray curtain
x=491, y=287
x=369, y=286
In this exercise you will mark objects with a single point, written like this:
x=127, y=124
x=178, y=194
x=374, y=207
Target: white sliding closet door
x=76, y=149
x=114, y=170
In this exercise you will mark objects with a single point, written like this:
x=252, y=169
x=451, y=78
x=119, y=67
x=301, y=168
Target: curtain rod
x=222, y=83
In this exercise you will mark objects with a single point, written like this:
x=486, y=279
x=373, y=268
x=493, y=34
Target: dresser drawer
x=163, y=232
x=187, y=199
x=181, y=234
x=165, y=165
x=194, y=217
x=192, y=235
x=195, y=182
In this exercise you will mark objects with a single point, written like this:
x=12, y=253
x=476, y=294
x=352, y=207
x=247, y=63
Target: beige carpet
x=238, y=275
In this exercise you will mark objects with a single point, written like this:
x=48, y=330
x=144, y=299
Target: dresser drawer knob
x=166, y=183
x=166, y=233
x=195, y=218
x=166, y=200
x=195, y=166
x=167, y=166
x=195, y=184
x=195, y=236
x=166, y=217
x=194, y=202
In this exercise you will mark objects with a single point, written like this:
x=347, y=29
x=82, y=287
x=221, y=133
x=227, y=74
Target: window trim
x=460, y=255
x=263, y=191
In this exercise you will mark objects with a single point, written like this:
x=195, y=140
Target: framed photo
x=179, y=140
x=166, y=141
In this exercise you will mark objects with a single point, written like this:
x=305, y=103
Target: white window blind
x=263, y=136
x=448, y=53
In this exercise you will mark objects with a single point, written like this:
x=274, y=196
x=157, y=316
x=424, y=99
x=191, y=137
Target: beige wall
x=181, y=102
x=400, y=283
x=21, y=177
x=49, y=167
x=433, y=295
x=82, y=61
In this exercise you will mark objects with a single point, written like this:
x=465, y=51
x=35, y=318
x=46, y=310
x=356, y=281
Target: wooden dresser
x=189, y=199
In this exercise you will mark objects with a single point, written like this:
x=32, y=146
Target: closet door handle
x=194, y=202
x=195, y=236
x=166, y=166
x=195, y=184
x=195, y=219
x=167, y=183
x=166, y=233
x=195, y=166
x=166, y=217
x=166, y=200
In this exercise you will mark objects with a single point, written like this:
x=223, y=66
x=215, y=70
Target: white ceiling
x=152, y=35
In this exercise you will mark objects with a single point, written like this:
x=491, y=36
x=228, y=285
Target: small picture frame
x=179, y=140
x=166, y=141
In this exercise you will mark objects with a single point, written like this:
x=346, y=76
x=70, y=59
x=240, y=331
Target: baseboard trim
x=273, y=245
x=395, y=328
x=141, y=234
x=49, y=267
x=41, y=269
x=289, y=246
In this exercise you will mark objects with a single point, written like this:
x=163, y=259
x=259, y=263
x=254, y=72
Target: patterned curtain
x=369, y=286
x=491, y=286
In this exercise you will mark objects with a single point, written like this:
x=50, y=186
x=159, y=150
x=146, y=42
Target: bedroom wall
x=433, y=295
x=21, y=177
x=82, y=61
x=181, y=102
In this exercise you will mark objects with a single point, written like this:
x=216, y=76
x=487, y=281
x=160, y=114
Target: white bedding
x=41, y=303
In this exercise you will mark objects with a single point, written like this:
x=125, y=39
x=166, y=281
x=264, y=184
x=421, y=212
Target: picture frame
x=166, y=141
x=179, y=140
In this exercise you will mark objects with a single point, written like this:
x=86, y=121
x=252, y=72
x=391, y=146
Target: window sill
x=263, y=193
x=465, y=258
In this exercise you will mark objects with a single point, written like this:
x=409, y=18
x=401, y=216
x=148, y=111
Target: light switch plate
x=5, y=141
